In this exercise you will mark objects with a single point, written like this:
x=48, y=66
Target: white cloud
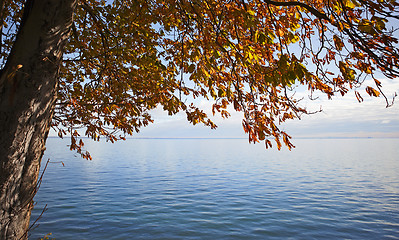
x=345, y=116
x=341, y=117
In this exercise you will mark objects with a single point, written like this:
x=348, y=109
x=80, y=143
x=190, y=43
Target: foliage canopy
x=126, y=57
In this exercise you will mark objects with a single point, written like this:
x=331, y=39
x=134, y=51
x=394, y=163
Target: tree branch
x=314, y=11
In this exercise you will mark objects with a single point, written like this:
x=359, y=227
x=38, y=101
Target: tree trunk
x=28, y=85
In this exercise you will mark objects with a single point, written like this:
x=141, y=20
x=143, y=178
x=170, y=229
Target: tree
x=102, y=66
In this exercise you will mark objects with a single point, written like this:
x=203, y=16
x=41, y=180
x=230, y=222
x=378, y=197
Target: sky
x=340, y=117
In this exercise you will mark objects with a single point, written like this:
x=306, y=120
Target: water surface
x=221, y=189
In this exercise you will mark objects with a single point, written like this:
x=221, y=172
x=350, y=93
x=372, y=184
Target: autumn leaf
x=372, y=92
x=124, y=59
x=338, y=43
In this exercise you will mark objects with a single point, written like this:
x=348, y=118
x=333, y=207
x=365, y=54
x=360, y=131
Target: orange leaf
x=372, y=92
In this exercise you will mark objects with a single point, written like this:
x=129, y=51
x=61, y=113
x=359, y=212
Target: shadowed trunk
x=28, y=85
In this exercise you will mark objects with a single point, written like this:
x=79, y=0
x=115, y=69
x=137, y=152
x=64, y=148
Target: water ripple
x=222, y=189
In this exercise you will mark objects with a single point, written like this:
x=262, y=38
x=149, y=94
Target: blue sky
x=341, y=117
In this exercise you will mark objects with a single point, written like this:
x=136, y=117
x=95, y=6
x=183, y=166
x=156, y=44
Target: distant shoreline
x=244, y=138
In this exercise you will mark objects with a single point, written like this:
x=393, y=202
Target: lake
x=221, y=189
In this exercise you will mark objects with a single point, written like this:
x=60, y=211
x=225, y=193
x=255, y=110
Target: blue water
x=221, y=189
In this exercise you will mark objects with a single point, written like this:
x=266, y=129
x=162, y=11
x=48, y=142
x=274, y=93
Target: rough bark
x=27, y=97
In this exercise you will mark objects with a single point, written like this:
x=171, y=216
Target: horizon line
x=293, y=138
